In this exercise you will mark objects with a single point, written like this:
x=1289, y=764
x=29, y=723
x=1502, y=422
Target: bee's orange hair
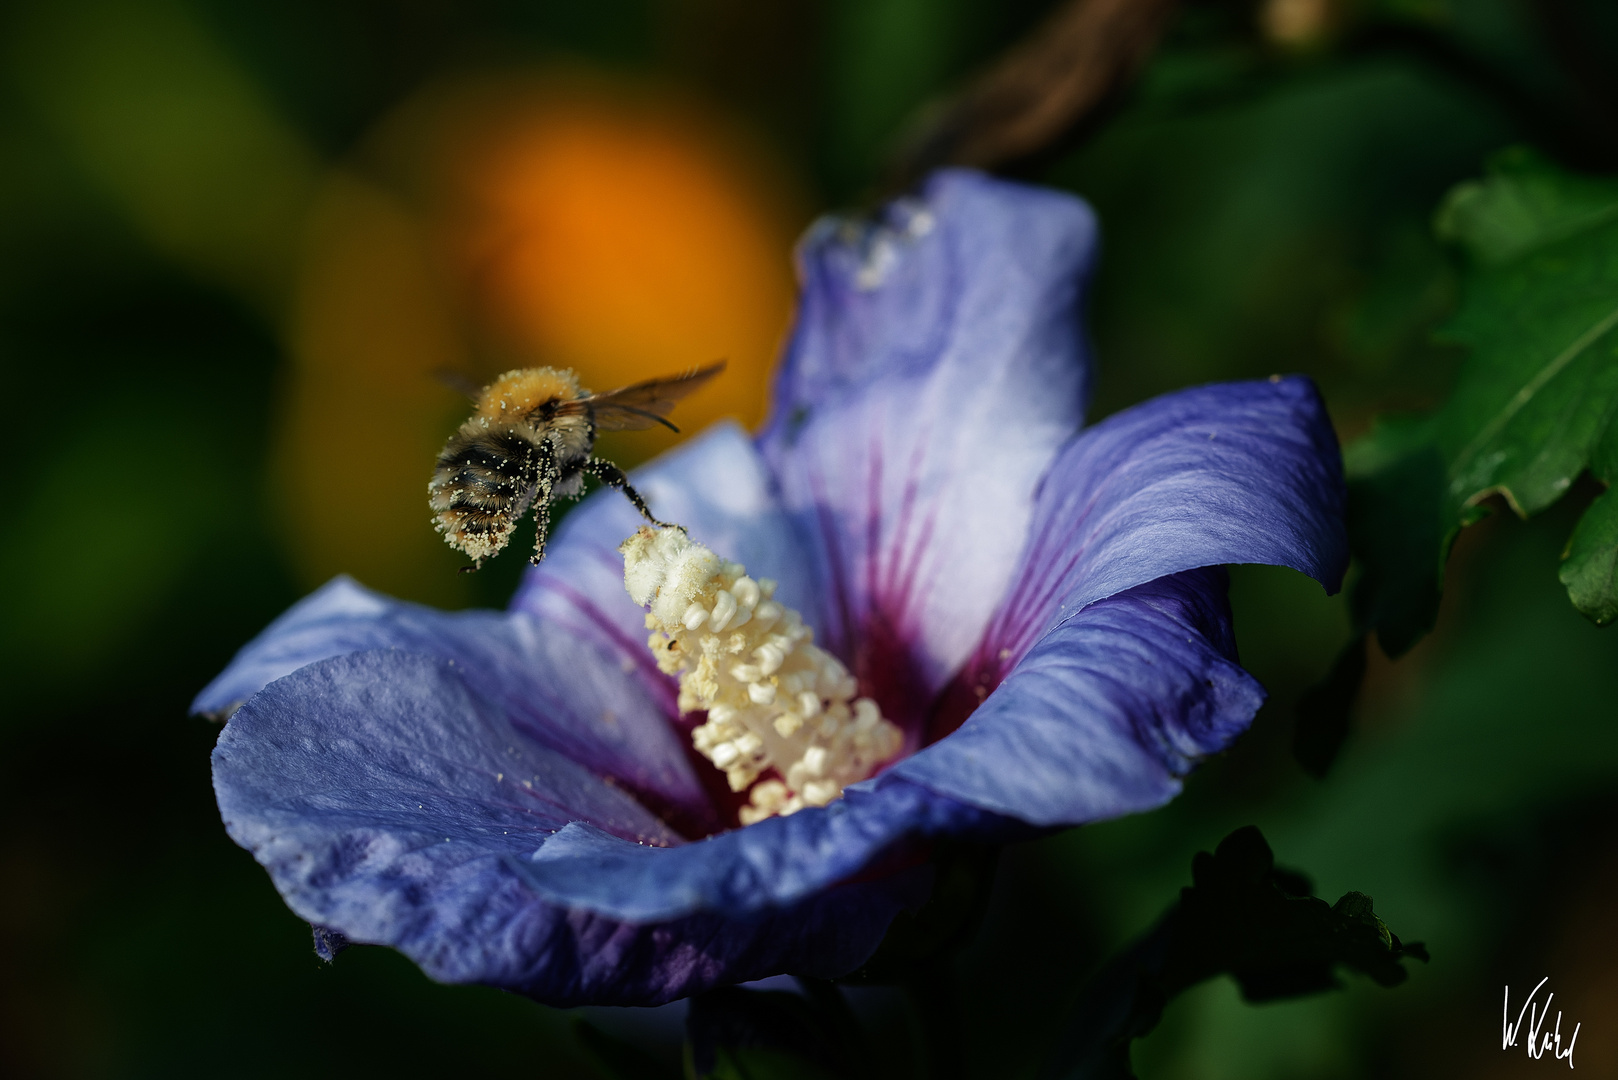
x=516, y=392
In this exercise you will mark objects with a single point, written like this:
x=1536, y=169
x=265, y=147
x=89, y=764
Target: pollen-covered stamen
x=774, y=699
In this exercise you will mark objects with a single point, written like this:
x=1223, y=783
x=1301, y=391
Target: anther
x=769, y=657
x=766, y=614
x=695, y=616
x=724, y=606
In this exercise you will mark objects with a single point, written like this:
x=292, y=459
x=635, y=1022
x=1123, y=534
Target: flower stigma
x=775, y=700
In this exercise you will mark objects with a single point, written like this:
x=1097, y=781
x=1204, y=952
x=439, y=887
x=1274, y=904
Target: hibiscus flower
x=1037, y=609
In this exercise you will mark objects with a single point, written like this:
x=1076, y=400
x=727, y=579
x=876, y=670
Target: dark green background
x=1263, y=210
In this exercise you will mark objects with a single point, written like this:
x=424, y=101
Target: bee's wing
x=459, y=382
x=633, y=408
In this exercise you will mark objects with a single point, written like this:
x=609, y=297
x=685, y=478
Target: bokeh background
x=239, y=237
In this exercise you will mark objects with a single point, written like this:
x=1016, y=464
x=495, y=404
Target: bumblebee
x=530, y=441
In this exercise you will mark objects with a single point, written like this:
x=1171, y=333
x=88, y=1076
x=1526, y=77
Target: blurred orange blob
x=626, y=239
x=563, y=220
x=371, y=321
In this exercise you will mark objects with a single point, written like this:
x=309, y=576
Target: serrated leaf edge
x=1521, y=398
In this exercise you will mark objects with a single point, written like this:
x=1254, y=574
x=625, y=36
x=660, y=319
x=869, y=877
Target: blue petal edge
x=1106, y=712
x=1230, y=473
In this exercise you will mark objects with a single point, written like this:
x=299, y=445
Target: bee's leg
x=544, y=464
x=614, y=477
x=542, y=529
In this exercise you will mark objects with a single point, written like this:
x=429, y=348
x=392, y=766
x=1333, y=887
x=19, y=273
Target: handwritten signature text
x=1539, y=1040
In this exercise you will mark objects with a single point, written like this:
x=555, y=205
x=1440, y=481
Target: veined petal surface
x=1244, y=472
x=936, y=366
x=391, y=803
x=1106, y=713
x=567, y=693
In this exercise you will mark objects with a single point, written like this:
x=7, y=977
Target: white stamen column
x=774, y=699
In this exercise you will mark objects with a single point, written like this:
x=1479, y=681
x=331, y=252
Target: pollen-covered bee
x=531, y=441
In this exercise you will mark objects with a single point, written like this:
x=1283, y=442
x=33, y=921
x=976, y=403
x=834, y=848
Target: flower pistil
x=774, y=699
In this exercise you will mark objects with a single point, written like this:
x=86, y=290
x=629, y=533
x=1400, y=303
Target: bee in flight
x=530, y=441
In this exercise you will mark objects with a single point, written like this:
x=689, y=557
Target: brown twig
x=1040, y=90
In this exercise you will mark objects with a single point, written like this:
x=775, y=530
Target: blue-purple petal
x=393, y=805
x=936, y=366
x=1107, y=711
x=565, y=692
x=1230, y=473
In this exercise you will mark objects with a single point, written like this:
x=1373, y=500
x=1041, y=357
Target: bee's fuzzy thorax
x=516, y=393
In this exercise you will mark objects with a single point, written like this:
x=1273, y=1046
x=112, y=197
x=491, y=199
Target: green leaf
x=1590, y=567
x=1244, y=917
x=1533, y=403
x=1541, y=383
x=1523, y=204
x=1590, y=563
